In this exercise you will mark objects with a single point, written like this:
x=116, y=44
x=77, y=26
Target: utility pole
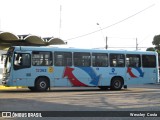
x=103, y=35
x=106, y=42
x=136, y=44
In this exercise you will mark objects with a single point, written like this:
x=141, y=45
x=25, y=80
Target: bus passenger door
x=21, y=69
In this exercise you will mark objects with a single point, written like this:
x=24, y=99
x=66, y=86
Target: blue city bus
x=40, y=68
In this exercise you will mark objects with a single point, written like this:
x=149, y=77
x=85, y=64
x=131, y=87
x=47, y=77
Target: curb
x=8, y=88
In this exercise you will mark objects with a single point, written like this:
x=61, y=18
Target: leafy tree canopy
x=150, y=49
x=156, y=41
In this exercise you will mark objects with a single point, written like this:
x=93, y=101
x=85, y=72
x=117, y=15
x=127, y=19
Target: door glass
x=22, y=60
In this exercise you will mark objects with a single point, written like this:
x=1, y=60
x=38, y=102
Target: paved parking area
x=135, y=98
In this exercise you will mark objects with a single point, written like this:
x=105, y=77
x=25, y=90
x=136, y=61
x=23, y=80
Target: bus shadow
x=77, y=89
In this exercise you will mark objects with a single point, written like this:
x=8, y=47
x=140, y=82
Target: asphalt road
x=135, y=98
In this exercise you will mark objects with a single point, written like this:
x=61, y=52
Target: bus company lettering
x=113, y=72
x=41, y=70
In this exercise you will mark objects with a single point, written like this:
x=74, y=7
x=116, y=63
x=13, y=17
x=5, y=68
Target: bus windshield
x=7, y=64
x=8, y=59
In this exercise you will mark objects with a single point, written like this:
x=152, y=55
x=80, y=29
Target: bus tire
x=32, y=89
x=41, y=84
x=103, y=87
x=116, y=83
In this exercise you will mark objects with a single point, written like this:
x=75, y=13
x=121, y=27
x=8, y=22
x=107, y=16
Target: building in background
x=8, y=39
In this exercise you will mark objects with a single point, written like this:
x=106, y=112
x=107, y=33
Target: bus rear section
x=142, y=68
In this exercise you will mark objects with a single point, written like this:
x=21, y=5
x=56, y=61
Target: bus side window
x=99, y=59
x=133, y=60
x=62, y=58
x=82, y=59
x=41, y=58
x=149, y=61
x=117, y=60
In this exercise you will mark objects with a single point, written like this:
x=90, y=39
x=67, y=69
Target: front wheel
x=116, y=83
x=41, y=84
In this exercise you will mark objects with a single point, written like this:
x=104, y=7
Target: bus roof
x=51, y=48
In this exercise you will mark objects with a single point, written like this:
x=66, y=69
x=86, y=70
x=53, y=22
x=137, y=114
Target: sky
x=121, y=21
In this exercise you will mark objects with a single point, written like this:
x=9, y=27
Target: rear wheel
x=41, y=84
x=32, y=88
x=103, y=87
x=117, y=83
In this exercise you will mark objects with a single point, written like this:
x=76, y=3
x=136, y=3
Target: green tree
x=156, y=41
x=150, y=49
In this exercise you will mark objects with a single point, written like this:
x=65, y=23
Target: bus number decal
x=41, y=70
